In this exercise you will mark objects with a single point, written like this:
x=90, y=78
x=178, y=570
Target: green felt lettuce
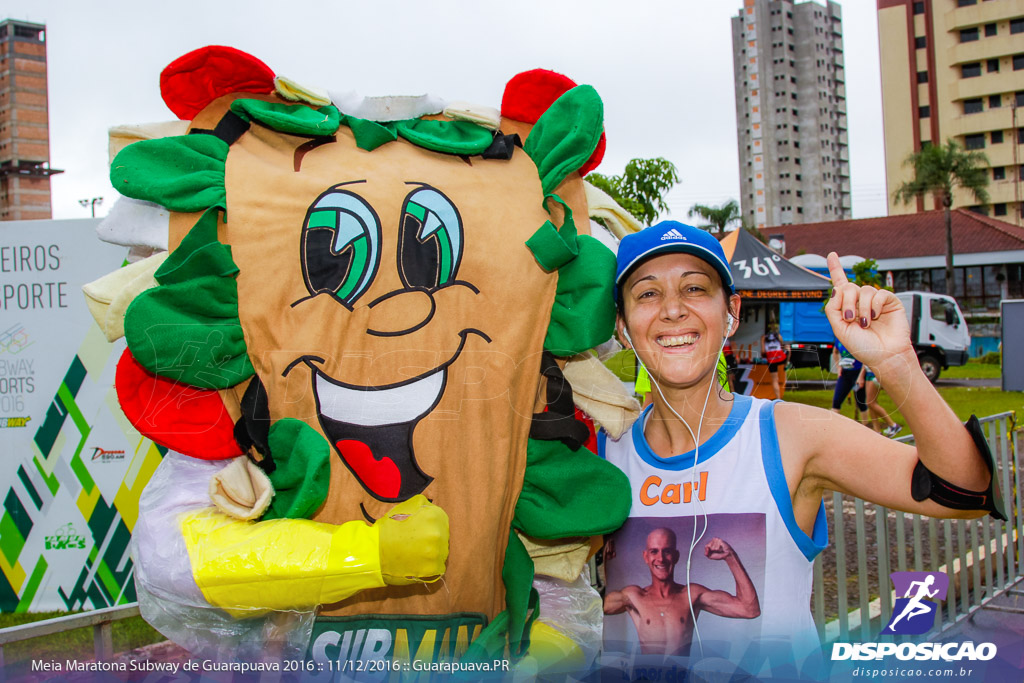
x=450, y=137
x=296, y=119
x=565, y=494
x=369, y=135
x=187, y=329
x=569, y=493
x=182, y=173
x=302, y=472
x=554, y=247
x=583, y=314
x=522, y=606
x=566, y=135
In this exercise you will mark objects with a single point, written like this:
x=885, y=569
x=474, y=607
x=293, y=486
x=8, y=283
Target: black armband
x=926, y=484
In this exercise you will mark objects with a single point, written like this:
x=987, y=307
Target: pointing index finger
x=835, y=270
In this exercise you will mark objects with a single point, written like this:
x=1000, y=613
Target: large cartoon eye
x=340, y=245
x=430, y=244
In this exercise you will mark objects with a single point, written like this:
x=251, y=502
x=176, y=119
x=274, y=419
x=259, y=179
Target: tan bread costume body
x=354, y=342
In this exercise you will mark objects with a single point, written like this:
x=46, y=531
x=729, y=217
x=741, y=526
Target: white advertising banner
x=71, y=467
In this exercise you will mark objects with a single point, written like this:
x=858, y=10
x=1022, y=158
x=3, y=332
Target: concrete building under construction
x=790, y=84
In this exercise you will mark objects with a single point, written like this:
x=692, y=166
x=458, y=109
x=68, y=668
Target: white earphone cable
x=695, y=539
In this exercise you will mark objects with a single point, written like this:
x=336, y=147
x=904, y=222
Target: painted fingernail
x=874, y=315
x=863, y=322
x=848, y=315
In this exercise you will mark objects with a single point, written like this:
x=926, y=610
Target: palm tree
x=939, y=170
x=718, y=217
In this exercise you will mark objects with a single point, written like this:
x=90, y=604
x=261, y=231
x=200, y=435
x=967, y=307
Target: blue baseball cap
x=670, y=237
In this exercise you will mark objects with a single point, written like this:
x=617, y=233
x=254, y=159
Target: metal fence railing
x=852, y=593
x=100, y=620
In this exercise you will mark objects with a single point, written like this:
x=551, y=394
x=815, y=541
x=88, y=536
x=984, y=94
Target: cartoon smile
x=371, y=427
x=377, y=406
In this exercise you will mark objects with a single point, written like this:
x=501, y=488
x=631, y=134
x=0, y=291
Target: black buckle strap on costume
x=502, y=147
x=926, y=484
x=559, y=421
x=253, y=428
x=230, y=127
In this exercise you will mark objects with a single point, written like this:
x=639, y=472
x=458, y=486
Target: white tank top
x=739, y=488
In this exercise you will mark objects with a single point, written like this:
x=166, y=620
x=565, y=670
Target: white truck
x=937, y=330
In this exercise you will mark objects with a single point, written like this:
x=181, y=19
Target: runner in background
x=773, y=350
x=851, y=378
x=732, y=368
x=875, y=411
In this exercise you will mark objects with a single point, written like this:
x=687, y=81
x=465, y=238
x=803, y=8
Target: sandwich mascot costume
x=362, y=329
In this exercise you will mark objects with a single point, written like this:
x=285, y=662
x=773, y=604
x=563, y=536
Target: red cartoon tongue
x=381, y=476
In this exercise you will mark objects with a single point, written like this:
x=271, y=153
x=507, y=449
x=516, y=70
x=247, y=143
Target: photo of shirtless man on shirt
x=661, y=611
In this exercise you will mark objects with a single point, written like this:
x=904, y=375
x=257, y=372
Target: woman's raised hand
x=871, y=323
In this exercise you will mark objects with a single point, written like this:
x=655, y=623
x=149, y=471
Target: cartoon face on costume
x=372, y=301
x=340, y=247
x=382, y=316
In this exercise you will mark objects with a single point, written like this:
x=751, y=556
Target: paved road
x=999, y=621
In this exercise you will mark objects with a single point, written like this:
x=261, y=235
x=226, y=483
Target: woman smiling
x=736, y=482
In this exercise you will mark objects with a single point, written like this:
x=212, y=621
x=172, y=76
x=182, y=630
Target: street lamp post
x=91, y=203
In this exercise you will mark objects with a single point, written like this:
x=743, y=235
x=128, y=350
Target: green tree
x=641, y=188
x=717, y=217
x=761, y=237
x=939, y=171
x=866, y=273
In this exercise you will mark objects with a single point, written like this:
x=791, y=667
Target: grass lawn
x=128, y=634
x=974, y=371
x=622, y=364
x=982, y=401
x=970, y=371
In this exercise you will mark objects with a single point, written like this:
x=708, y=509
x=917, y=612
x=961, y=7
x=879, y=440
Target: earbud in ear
x=728, y=326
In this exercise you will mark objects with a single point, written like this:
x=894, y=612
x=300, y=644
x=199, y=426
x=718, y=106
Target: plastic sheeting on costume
x=575, y=609
x=169, y=598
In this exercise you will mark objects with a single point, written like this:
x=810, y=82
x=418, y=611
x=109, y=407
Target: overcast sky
x=662, y=67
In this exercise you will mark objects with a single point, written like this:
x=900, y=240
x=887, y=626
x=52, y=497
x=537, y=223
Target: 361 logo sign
x=914, y=613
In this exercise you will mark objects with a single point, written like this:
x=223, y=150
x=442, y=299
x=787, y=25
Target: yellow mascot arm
x=249, y=567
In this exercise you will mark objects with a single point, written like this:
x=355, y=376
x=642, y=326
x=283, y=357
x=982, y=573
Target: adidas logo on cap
x=672, y=234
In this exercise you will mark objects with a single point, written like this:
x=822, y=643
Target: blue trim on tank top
x=737, y=414
x=810, y=546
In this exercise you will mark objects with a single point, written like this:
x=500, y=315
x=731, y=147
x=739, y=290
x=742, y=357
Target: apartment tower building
x=24, y=122
x=791, y=112
x=954, y=69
